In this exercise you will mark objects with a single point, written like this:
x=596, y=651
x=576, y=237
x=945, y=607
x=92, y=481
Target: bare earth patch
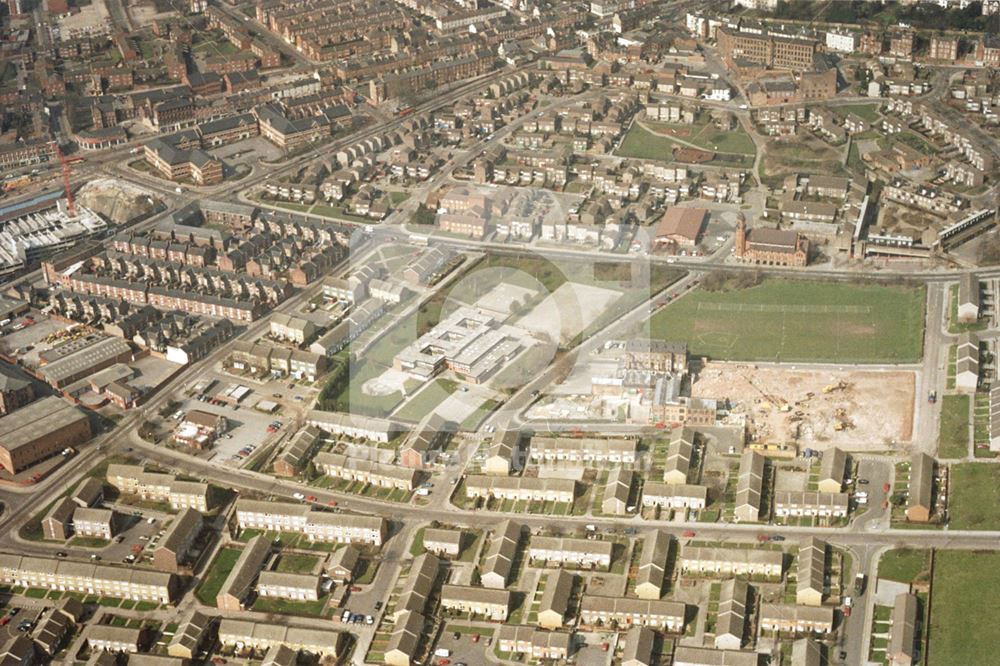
x=874, y=408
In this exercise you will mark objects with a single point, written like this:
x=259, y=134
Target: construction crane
x=70, y=207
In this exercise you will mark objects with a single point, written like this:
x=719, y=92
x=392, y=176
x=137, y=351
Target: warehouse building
x=40, y=430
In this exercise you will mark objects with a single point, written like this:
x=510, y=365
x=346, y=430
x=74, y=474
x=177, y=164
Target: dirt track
x=874, y=409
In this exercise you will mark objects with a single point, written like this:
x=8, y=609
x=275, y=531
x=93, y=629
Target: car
x=688, y=534
x=332, y=503
x=345, y=616
x=777, y=537
x=605, y=646
x=4, y=620
x=862, y=482
x=95, y=557
x=443, y=662
x=298, y=496
x=61, y=553
x=475, y=638
x=369, y=619
x=119, y=538
x=13, y=611
x=310, y=498
x=378, y=605
x=355, y=588
x=885, y=487
x=218, y=661
x=843, y=655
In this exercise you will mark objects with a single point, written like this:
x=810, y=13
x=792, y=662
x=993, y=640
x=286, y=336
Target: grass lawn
x=975, y=496
x=642, y=144
x=954, y=326
x=965, y=587
x=216, y=575
x=867, y=112
x=88, y=542
x=904, y=565
x=732, y=141
x=297, y=563
x=285, y=606
x=792, y=320
x=426, y=400
x=953, y=440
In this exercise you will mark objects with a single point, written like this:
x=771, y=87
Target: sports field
x=797, y=320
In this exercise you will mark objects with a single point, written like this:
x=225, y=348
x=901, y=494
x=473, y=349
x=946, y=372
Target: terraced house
x=585, y=450
x=159, y=487
x=731, y=561
x=315, y=525
x=491, y=604
x=603, y=611
x=810, y=503
x=520, y=488
x=559, y=551
x=366, y=471
x=118, y=582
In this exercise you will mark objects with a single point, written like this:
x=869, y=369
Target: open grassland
x=974, y=501
x=964, y=594
x=796, y=320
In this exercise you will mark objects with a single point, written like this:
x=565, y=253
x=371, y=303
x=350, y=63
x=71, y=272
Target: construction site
x=853, y=409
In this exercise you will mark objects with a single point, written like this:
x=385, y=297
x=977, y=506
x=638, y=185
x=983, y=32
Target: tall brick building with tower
x=771, y=247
